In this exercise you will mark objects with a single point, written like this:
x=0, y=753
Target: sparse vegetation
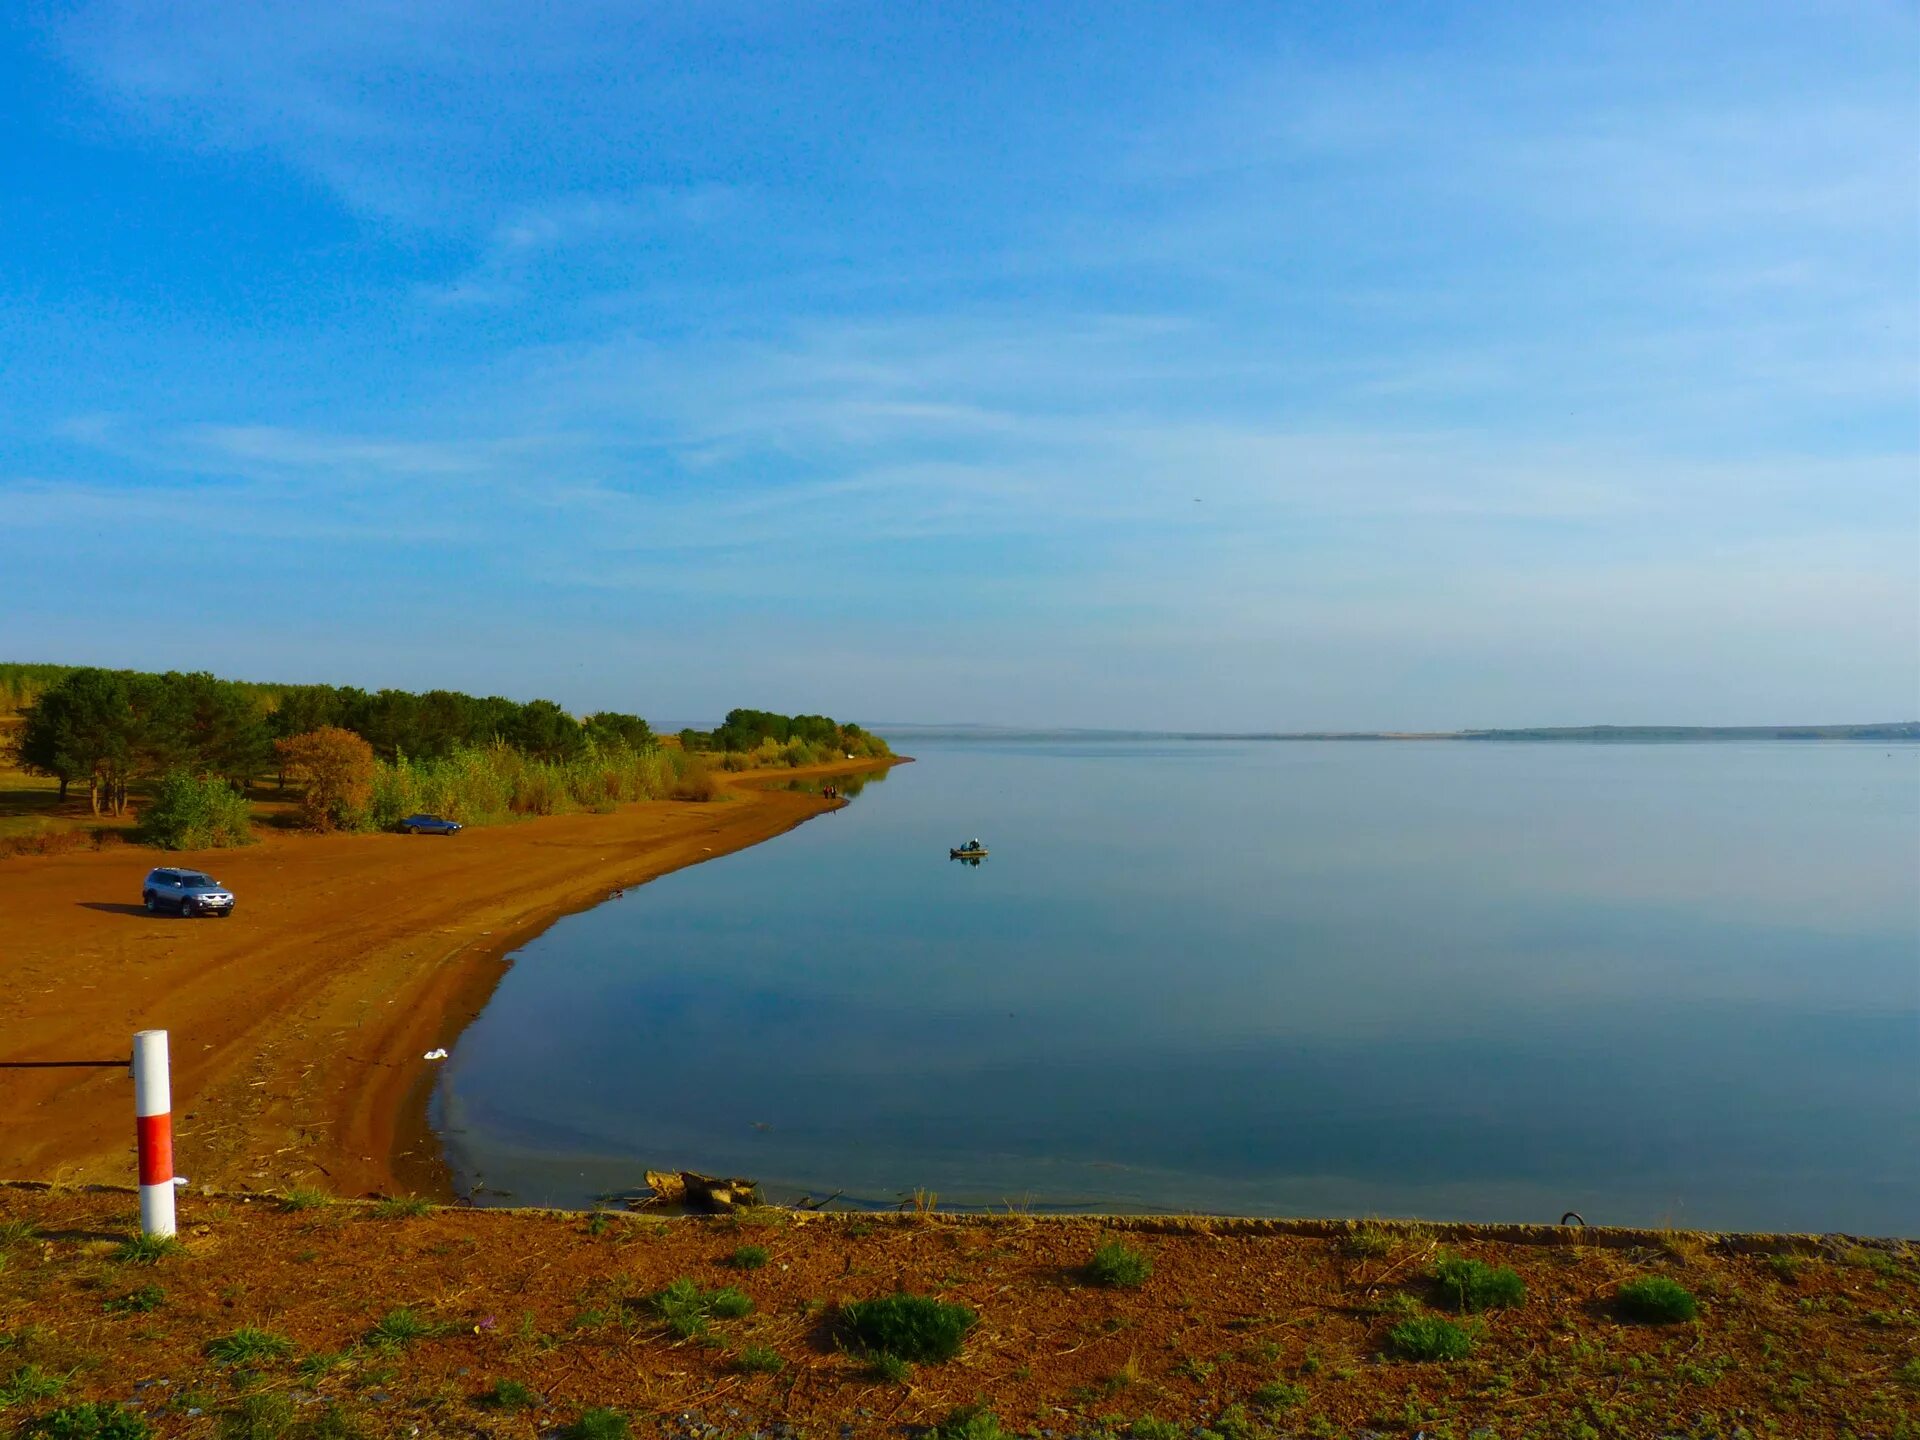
x=748, y=1257
x=264, y=1415
x=136, y=1302
x=148, y=1249
x=915, y=1328
x=759, y=1360
x=599, y=1423
x=305, y=1198
x=27, y=1384
x=398, y=1329
x=1118, y=1266
x=1369, y=1242
x=1278, y=1395
x=1470, y=1285
x=401, y=1207
x=248, y=1345
x=971, y=1422
x=685, y=1308
x=508, y=1395
x=1657, y=1300
x=1430, y=1337
x=108, y=1420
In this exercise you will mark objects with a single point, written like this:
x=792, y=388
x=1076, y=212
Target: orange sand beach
x=298, y=1026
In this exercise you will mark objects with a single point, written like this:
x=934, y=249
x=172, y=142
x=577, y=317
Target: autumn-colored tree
x=337, y=768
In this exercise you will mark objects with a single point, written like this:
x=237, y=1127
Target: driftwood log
x=698, y=1192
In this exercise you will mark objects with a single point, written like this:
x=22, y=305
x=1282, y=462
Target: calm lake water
x=1657, y=984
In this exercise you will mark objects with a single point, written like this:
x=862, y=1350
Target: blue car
x=429, y=825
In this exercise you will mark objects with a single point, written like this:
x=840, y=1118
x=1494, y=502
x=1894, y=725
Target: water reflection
x=1655, y=985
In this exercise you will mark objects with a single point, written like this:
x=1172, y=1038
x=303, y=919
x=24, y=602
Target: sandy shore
x=298, y=1025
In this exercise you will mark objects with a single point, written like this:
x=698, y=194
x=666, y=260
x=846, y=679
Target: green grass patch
x=398, y=1329
x=103, y=1420
x=17, y=1232
x=1656, y=1300
x=1430, y=1337
x=27, y=1384
x=305, y=1197
x=759, y=1360
x=916, y=1328
x=971, y=1422
x=508, y=1395
x=598, y=1423
x=249, y=1345
x=685, y=1308
x=1278, y=1395
x=402, y=1207
x=261, y=1416
x=1118, y=1266
x=890, y=1368
x=148, y=1249
x=136, y=1302
x=1149, y=1427
x=748, y=1257
x=1471, y=1286
x=1909, y=1373
x=1369, y=1242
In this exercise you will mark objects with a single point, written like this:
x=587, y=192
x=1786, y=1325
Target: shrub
x=337, y=768
x=190, y=814
x=890, y=1368
x=1119, y=1266
x=697, y=782
x=1656, y=1300
x=248, y=1345
x=917, y=1328
x=686, y=1308
x=1430, y=1337
x=1470, y=1285
x=599, y=1423
x=102, y=1420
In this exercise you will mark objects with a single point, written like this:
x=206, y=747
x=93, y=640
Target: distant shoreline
x=1896, y=730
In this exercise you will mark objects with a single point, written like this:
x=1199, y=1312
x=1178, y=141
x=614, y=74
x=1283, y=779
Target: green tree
x=82, y=728
x=607, y=728
x=547, y=732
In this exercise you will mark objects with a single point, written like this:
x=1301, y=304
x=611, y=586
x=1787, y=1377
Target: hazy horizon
x=1228, y=368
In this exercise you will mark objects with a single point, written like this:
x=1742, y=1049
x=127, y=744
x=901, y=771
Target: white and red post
x=153, y=1120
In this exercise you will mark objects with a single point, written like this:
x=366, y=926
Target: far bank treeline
x=365, y=759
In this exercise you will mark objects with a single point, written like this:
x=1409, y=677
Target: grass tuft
x=261, y=1416
x=27, y=1384
x=402, y=1207
x=398, y=1329
x=1279, y=1395
x=1469, y=1285
x=748, y=1257
x=136, y=1302
x=916, y=1328
x=685, y=1307
x=305, y=1197
x=17, y=1232
x=759, y=1360
x=1119, y=1266
x=1656, y=1300
x=598, y=1423
x=1369, y=1242
x=890, y=1368
x=148, y=1249
x=1430, y=1337
x=971, y=1422
x=103, y=1420
x=249, y=1345
x=508, y=1395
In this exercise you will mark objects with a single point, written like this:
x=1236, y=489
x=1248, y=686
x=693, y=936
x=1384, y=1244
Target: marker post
x=153, y=1123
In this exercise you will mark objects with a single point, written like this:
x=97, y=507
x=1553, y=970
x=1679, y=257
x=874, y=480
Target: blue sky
x=1211, y=366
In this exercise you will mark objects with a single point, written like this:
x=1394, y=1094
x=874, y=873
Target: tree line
x=108, y=729
x=751, y=730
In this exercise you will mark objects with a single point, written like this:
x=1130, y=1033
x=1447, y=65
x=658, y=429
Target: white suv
x=187, y=891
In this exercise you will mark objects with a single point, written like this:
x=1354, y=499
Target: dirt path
x=298, y=1025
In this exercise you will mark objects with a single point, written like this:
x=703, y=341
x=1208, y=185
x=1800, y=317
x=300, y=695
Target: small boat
x=972, y=850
